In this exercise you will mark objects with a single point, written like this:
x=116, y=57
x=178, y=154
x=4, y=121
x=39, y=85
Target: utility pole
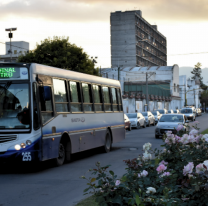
x=119, y=72
x=10, y=37
x=194, y=99
x=147, y=95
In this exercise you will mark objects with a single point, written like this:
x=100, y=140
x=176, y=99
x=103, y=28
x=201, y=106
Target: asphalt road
x=22, y=186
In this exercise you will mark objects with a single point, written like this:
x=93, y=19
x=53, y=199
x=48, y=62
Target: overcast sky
x=87, y=24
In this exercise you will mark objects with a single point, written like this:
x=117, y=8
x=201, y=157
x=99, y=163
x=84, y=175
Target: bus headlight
x=28, y=142
x=23, y=145
x=17, y=147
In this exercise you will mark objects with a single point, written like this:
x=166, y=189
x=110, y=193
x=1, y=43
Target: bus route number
x=26, y=156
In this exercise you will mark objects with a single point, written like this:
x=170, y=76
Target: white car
x=137, y=120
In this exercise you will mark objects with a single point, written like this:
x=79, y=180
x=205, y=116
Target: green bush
x=177, y=175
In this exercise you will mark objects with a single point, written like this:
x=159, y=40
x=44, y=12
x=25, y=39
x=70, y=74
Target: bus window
x=87, y=97
x=36, y=118
x=119, y=100
x=46, y=103
x=60, y=97
x=107, y=102
x=76, y=105
x=114, y=99
x=97, y=98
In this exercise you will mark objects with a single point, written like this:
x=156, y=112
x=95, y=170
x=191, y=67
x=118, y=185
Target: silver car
x=169, y=122
x=157, y=116
x=149, y=118
x=190, y=113
x=137, y=120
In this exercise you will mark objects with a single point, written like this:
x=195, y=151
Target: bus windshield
x=14, y=106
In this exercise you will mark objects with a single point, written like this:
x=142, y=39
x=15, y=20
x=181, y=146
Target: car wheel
x=157, y=136
x=148, y=124
x=129, y=127
x=138, y=125
x=144, y=126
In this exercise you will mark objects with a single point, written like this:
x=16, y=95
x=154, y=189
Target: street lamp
x=94, y=60
x=10, y=36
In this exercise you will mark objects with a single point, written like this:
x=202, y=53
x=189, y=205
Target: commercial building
x=163, y=86
x=135, y=42
x=18, y=48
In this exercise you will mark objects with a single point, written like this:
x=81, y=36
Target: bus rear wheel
x=62, y=154
x=108, y=142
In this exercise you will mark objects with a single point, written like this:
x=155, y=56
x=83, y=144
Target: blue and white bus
x=51, y=113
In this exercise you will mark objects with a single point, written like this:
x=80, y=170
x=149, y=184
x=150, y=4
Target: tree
x=58, y=52
x=197, y=75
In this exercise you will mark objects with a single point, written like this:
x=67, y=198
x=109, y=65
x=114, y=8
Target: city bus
x=52, y=113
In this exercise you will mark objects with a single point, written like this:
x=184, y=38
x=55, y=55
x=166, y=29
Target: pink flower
x=193, y=132
x=144, y=173
x=118, y=182
x=170, y=139
x=200, y=168
x=180, y=127
x=177, y=138
x=163, y=162
x=191, y=138
x=184, y=139
x=161, y=168
x=188, y=168
x=165, y=174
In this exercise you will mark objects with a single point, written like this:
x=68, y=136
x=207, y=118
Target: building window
x=178, y=88
x=174, y=87
x=15, y=51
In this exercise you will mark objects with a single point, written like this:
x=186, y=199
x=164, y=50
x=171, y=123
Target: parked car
x=127, y=122
x=170, y=111
x=137, y=120
x=149, y=118
x=198, y=112
x=169, y=122
x=162, y=111
x=157, y=116
x=176, y=111
x=190, y=113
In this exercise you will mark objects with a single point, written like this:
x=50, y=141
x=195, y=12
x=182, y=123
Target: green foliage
x=145, y=184
x=197, y=74
x=58, y=52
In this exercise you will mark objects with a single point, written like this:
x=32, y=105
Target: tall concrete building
x=134, y=42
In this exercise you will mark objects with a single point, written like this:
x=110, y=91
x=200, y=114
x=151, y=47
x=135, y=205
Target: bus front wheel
x=62, y=154
x=108, y=142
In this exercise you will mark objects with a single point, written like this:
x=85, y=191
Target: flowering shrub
x=178, y=175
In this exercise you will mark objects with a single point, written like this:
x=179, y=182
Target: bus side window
x=119, y=100
x=98, y=102
x=114, y=99
x=87, y=97
x=60, y=97
x=75, y=97
x=106, y=96
x=46, y=103
x=36, y=118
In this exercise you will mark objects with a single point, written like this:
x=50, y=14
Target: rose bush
x=178, y=175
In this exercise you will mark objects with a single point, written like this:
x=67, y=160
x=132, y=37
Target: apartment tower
x=134, y=42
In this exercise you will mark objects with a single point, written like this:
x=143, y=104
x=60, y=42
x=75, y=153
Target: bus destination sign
x=9, y=72
x=13, y=73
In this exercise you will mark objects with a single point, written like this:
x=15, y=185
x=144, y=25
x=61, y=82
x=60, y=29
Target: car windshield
x=169, y=111
x=175, y=111
x=131, y=115
x=144, y=113
x=186, y=111
x=154, y=113
x=14, y=106
x=171, y=118
x=161, y=111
